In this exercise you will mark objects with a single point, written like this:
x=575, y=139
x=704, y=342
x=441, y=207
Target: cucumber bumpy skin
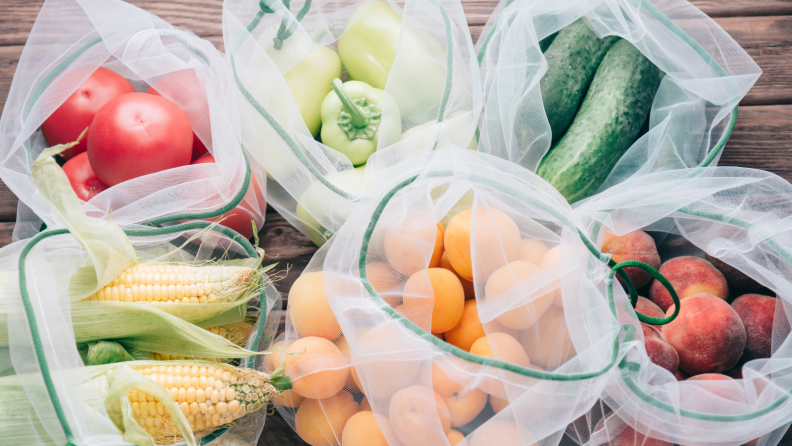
x=572, y=59
x=608, y=123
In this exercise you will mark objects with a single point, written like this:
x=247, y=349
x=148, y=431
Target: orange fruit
x=557, y=254
x=387, y=282
x=413, y=240
x=380, y=362
x=496, y=241
x=505, y=348
x=456, y=438
x=465, y=406
x=288, y=399
x=356, y=379
x=505, y=283
x=366, y=428
x=439, y=336
x=532, y=251
x=321, y=422
x=364, y=404
x=470, y=289
x=419, y=417
x=449, y=377
x=548, y=343
x=499, y=432
x=442, y=290
x=498, y=404
x=343, y=346
x=468, y=329
x=319, y=370
x=274, y=359
x=309, y=309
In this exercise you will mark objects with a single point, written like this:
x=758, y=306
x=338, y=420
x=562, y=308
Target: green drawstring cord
x=285, y=31
x=618, y=268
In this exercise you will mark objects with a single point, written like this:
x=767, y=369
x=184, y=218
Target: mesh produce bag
x=283, y=68
x=86, y=310
x=561, y=333
x=68, y=42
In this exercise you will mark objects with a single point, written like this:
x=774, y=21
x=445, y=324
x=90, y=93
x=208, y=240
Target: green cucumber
x=607, y=124
x=544, y=44
x=572, y=59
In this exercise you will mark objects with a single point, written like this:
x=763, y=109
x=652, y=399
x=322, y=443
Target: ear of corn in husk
x=153, y=402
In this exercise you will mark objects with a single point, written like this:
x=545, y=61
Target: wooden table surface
x=762, y=138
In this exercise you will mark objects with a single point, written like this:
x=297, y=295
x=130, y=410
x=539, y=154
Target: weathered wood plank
x=761, y=140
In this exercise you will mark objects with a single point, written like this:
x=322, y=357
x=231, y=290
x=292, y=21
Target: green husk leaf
x=105, y=352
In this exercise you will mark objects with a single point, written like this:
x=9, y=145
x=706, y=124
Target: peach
x=442, y=290
x=622, y=434
x=465, y=406
x=468, y=329
x=532, y=251
x=415, y=238
x=505, y=284
x=366, y=428
x=636, y=245
x=689, y=276
x=456, y=438
x=321, y=422
x=548, y=343
x=419, y=416
x=659, y=350
x=648, y=308
x=496, y=241
x=757, y=313
x=318, y=369
x=387, y=282
x=737, y=279
x=708, y=335
x=470, y=289
x=730, y=390
x=309, y=309
x=680, y=375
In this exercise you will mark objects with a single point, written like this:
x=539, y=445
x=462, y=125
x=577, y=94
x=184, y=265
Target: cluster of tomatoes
x=130, y=134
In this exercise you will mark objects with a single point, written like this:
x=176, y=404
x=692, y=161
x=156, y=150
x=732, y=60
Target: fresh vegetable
x=572, y=59
x=237, y=333
x=239, y=219
x=615, y=108
x=352, y=119
x=198, y=147
x=156, y=282
x=368, y=48
x=138, y=134
x=78, y=111
x=544, y=44
x=153, y=402
x=459, y=125
x=309, y=82
x=82, y=178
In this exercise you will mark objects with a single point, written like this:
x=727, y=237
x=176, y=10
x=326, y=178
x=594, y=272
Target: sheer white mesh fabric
x=50, y=266
x=60, y=54
x=554, y=325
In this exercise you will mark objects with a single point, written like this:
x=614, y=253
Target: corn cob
x=208, y=396
x=176, y=283
x=236, y=332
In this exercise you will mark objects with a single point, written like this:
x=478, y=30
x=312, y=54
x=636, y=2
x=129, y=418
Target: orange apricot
x=288, y=398
x=470, y=289
x=532, y=251
x=468, y=329
x=554, y=255
x=501, y=433
x=366, y=428
x=498, y=404
x=274, y=359
x=408, y=244
x=456, y=438
x=419, y=416
x=548, y=343
x=442, y=290
x=505, y=348
x=447, y=378
x=496, y=241
x=321, y=422
x=505, y=284
x=379, y=363
x=387, y=282
x=309, y=309
x=364, y=404
x=465, y=406
x=318, y=369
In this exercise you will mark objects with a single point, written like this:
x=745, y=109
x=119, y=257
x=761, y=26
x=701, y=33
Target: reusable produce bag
x=280, y=60
x=562, y=335
x=68, y=42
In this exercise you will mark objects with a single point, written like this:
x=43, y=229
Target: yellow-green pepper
x=309, y=82
x=352, y=119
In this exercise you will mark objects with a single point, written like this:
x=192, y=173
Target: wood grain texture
x=761, y=139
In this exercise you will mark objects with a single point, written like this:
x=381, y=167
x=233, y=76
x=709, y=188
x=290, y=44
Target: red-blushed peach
x=735, y=373
x=648, y=308
x=681, y=375
x=636, y=245
x=757, y=313
x=689, y=276
x=708, y=335
x=731, y=390
x=419, y=416
x=622, y=434
x=659, y=350
x=737, y=279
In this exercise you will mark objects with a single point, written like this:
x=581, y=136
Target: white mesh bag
x=273, y=45
x=68, y=42
x=563, y=333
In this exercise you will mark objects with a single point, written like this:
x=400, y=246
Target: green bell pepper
x=309, y=82
x=352, y=119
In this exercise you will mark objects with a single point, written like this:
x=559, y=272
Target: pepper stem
x=357, y=118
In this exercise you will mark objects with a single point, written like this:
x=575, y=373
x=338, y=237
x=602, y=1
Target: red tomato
x=239, y=218
x=74, y=115
x=138, y=134
x=82, y=178
x=199, y=149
